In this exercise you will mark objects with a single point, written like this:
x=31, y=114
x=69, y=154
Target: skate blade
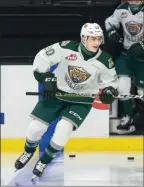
x=34, y=177
x=16, y=170
x=132, y=129
x=17, y=184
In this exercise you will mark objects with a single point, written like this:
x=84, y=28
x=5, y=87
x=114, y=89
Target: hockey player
x=82, y=68
x=131, y=61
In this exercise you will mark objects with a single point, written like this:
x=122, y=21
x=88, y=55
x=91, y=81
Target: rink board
x=12, y=145
x=124, y=144
x=121, y=144
x=14, y=129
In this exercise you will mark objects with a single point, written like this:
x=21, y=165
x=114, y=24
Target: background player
x=131, y=61
x=82, y=68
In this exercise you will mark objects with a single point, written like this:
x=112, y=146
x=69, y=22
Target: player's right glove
x=49, y=82
x=114, y=36
x=49, y=86
x=108, y=95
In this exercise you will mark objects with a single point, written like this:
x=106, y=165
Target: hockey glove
x=49, y=82
x=114, y=36
x=136, y=50
x=49, y=86
x=108, y=95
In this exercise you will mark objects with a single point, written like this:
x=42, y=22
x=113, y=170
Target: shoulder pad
x=142, y=9
x=123, y=6
x=106, y=59
x=72, y=45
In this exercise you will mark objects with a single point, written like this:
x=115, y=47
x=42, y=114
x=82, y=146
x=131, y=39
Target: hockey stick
x=58, y=94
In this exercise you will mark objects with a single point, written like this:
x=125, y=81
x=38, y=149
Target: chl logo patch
x=71, y=57
x=78, y=74
x=133, y=28
x=124, y=14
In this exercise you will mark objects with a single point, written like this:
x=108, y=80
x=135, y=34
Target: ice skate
x=38, y=170
x=23, y=160
x=126, y=125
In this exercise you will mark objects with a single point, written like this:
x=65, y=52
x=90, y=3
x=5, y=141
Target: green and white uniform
x=131, y=17
x=133, y=32
x=133, y=24
x=76, y=73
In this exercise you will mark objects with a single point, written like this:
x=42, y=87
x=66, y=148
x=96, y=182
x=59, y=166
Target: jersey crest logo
x=71, y=57
x=133, y=28
x=78, y=74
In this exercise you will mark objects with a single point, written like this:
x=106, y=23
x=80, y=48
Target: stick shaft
x=84, y=95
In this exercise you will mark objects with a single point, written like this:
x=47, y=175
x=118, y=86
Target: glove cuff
x=40, y=77
x=111, y=32
x=98, y=104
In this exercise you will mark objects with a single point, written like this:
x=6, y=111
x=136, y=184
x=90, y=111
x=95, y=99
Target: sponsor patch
x=111, y=63
x=64, y=43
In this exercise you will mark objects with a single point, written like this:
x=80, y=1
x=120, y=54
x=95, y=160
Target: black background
x=26, y=26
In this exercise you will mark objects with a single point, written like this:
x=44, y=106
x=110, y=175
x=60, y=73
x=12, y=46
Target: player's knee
x=124, y=85
x=62, y=132
x=35, y=130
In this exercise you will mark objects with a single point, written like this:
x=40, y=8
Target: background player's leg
x=125, y=71
x=140, y=77
x=126, y=124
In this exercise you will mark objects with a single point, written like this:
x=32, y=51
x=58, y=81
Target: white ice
x=86, y=169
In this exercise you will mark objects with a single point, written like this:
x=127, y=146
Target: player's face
x=93, y=43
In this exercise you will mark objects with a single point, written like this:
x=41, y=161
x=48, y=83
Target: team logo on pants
x=133, y=28
x=75, y=114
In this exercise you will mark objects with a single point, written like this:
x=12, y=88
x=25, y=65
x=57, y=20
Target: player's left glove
x=136, y=50
x=108, y=94
x=114, y=36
